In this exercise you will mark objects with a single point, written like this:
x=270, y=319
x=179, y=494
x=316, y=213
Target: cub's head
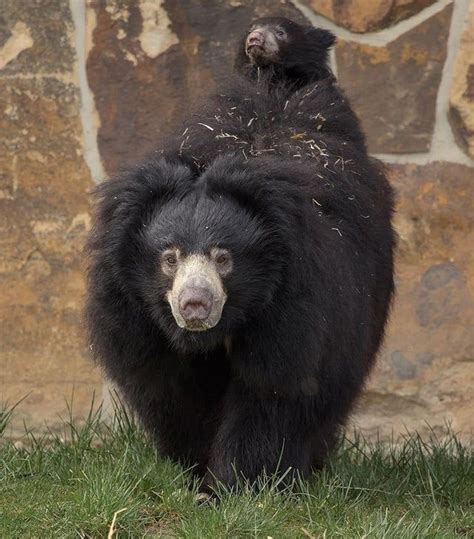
x=198, y=255
x=280, y=44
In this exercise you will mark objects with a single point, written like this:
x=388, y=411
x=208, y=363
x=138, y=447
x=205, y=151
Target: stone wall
x=90, y=87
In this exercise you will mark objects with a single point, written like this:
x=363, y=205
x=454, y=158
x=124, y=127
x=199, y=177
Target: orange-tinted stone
x=394, y=88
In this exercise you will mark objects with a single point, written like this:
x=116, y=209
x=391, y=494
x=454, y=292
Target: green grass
x=53, y=488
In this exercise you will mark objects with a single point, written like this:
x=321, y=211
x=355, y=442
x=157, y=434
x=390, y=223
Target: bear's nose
x=195, y=304
x=255, y=38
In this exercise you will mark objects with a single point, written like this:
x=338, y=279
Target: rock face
x=426, y=369
x=35, y=38
x=147, y=62
x=461, y=112
x=43, y=217
x=367, y=15
x=148, y=66
x=402, y=80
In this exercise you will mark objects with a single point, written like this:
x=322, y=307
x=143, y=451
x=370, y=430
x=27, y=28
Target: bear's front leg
x=259, y=433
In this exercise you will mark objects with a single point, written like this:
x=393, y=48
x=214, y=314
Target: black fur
x=302, y=60
x=282, y=179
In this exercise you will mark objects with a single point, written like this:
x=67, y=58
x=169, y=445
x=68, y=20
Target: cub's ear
x=324, y=39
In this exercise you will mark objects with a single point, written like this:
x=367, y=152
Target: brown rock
x=426, y=369
x=461, y=110
x=147, y=68
x=394, y=88
x=144, y=64
x=367, y=15
x=7, y=177
x=35, y=37
x=43, y=220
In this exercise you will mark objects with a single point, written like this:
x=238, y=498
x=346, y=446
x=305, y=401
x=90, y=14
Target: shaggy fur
x=280, y=178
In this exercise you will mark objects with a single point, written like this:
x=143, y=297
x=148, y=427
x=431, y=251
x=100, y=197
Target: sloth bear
x=241, y=278
x=284, y=50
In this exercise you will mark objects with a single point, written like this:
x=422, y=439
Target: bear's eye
x=222, y=260
x=169, y=262
x=280, y=32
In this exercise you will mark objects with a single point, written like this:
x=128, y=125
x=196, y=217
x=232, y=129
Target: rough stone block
x=425, y=374
x=394, y=88
x=43, y=220
x=461, y=110
x=367, y=15
x=35, y=37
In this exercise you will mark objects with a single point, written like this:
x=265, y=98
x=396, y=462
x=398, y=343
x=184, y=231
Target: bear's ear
x=134, y=193
x=324, y=39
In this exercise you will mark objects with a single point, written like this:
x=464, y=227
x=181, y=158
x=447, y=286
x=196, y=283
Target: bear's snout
x=197, y=296
x=195, y=303
x=255, y=38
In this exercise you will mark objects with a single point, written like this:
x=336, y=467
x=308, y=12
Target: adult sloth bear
x=240, y=281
